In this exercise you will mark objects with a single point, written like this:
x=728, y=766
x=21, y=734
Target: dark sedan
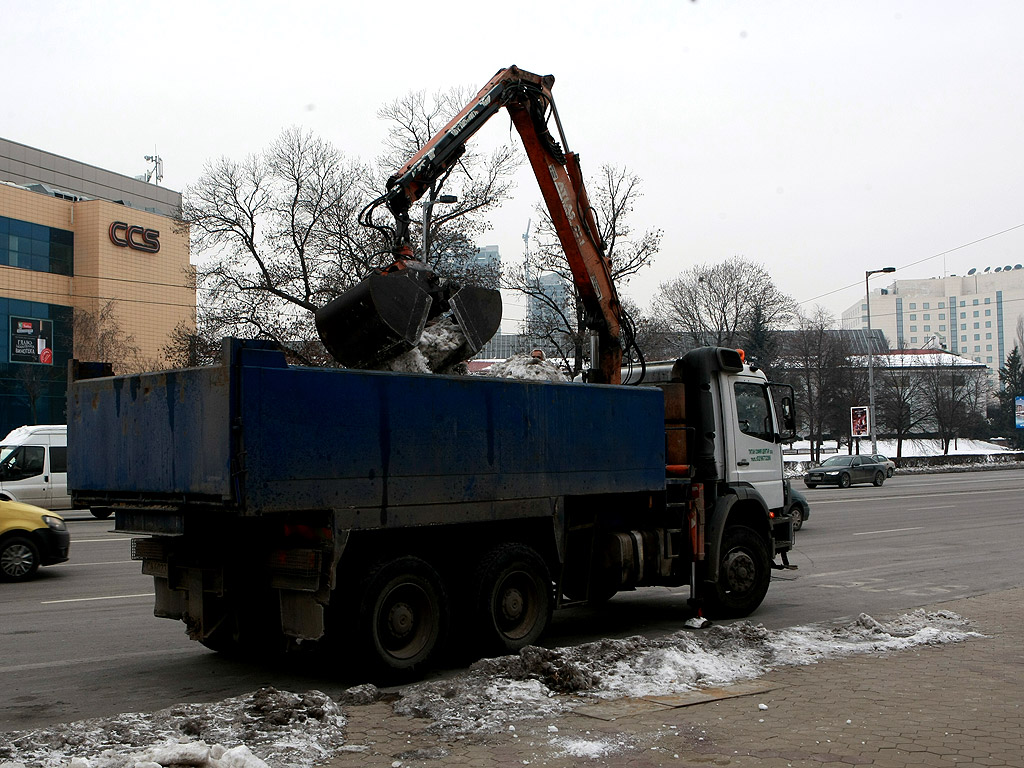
x=844, y=471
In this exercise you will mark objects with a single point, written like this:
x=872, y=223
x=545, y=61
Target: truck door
x=756, y=458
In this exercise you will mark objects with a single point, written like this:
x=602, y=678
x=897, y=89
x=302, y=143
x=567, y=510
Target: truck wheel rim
x=517, y=605
x=740, y=570
x=403, y=627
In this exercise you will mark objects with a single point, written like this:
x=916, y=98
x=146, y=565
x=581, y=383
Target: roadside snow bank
x=494, y=692
x=286, y=730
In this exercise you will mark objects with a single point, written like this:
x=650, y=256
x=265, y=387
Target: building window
x=963, y=326
x=942, y=327
x=977, y=337
x=913, y=305
x=988, y=335
x=977, y=325
x=942, y=305
x=963, y=303
x=36, y=247
x=927, y=317
x=913, y=339
x=988, y=299
x=925, y=305
x=927, y=328
x=963, y=315
x=975, y=302
x=988, y=313
x=963, y=338
x=976, y=313
x=913, y=317
x=913, y=328
x=988, y=347
x=942, y=315
x=988, y=323
x=988, y=359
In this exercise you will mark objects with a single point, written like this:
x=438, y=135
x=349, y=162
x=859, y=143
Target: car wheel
x=844, y=480
x=811, y=485
x=879, y=478
x=19, y=559
x=889, y=471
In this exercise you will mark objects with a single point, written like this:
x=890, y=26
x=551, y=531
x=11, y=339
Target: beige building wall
x=151, y=291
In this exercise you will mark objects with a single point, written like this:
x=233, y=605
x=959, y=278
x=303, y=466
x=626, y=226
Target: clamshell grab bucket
x=377, y=320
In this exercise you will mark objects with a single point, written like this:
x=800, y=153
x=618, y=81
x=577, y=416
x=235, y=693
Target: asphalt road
x=81, y=641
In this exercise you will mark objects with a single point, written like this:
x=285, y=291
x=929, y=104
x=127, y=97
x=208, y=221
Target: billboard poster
x=859, y=421
x=1018, y=409
x=31, y=341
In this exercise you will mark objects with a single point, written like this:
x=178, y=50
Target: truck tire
x=19, y=558
x=101, y=513
x=403, y=615
x=879, y=478
x=514, y=598
x=744, y=572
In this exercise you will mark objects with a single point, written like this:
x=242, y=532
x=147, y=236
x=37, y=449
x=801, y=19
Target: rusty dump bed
x=256, y=436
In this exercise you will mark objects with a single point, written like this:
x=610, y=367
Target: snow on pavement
x=288, y=730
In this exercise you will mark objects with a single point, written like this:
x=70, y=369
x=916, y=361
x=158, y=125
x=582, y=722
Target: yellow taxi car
x=30, y=537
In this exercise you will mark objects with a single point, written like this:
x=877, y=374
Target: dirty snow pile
x=524, y=366
x=494, y=692
x=439, y=349
x=265, y=728
x=286, y=730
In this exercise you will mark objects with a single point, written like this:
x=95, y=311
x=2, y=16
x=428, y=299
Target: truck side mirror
x=788, y=419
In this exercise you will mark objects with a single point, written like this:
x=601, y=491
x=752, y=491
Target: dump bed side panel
x=325, y=438
x=161, y=434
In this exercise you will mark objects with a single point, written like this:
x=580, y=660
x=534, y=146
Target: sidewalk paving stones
x=943, y=705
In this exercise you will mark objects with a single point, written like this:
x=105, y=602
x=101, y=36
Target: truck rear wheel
x=403, y=614
x=744, y=572
x=514, y=597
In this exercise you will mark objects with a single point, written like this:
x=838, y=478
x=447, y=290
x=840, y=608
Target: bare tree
x=545, y=277
x=266, y=229
x=901, y=400
x=727, y=304
x=953, y=393
x=100, y=337
x=816, y=361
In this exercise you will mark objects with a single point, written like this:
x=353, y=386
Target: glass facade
x=34, y=393
x=36, y=247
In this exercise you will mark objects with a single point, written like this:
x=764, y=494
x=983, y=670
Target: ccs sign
x=134, y=237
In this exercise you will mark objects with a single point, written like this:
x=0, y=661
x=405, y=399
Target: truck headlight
x=55, y=523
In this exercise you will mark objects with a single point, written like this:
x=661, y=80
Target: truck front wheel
x=403, y=615
x=744, y=572
x=514, y=597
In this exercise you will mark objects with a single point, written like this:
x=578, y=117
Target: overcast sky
x=818, y=137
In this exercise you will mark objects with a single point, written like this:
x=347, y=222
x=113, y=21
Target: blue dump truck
x=389, y=514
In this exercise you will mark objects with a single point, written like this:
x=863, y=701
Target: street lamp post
x=427, y=207
x=871, y=358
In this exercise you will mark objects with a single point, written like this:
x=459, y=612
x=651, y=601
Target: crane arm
x=528, y=98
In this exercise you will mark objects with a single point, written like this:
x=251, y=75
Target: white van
x=34, y=466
